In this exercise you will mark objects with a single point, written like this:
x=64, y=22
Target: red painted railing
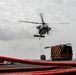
x=38, y=62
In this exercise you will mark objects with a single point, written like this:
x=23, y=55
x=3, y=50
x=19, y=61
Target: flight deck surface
x=27, y=69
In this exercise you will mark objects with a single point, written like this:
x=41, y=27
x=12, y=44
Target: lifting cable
x=40, y=47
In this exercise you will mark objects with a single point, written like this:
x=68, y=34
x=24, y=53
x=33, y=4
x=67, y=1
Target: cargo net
x=61, y=52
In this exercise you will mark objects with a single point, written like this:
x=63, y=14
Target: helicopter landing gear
x=38, y=36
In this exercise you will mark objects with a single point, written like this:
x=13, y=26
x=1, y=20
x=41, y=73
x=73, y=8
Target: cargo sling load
x=61, y=52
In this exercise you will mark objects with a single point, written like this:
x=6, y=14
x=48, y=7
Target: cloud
x=10, y=31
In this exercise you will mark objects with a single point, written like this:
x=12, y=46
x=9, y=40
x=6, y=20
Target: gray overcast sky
x=16, y=39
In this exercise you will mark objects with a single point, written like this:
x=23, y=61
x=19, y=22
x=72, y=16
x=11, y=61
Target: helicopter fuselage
x=43, y=29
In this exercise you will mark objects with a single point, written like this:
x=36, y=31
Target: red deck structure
x=33, y=67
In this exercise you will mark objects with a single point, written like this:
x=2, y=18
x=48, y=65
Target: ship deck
x=37, y=67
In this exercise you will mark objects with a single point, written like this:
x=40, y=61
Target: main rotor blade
x=42, y=18
x=30, y=22
x=61, y=23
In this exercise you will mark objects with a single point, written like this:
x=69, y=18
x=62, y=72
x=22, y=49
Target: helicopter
x=43, y=28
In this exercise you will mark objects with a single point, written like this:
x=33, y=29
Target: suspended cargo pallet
x=61, y=52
